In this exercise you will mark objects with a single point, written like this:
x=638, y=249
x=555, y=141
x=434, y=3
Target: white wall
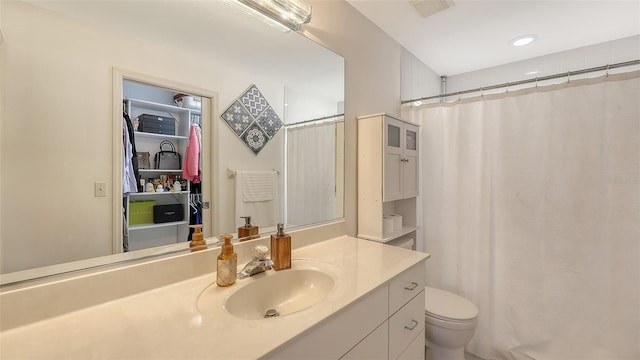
x=611, y=52
x=302, y=106
x=420, y=81
x=417, y=78
x=372, y=76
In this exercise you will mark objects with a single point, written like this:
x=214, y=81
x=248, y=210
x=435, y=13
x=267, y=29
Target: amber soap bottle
x=227, y=263
x=197, y=239
x=281, y=249
x=248, y=231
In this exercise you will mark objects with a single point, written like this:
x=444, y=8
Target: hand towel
x=257, y=196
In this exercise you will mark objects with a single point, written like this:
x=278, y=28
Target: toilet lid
x=448, y=306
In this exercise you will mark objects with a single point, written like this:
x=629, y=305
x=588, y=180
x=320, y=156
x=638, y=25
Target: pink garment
x=190, y=170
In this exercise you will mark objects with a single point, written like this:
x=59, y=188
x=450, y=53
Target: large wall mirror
x=64, y=66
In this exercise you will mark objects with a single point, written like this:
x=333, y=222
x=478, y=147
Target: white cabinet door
x=393, y=159
x=410, y=161
x=400, y=160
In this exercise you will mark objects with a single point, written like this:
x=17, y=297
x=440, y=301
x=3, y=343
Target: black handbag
x=167, y=159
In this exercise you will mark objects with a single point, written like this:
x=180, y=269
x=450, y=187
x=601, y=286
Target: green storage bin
x=141, y=212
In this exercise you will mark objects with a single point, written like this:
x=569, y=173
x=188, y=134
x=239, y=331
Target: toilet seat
x=448, y=307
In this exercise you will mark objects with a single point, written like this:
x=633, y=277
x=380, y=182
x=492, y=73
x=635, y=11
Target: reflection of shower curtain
x=532, y=211
x=311, y=173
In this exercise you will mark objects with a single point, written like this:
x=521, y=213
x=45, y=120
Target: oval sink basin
x=286, y=292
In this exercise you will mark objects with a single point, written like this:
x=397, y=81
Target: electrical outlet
x=100, y=189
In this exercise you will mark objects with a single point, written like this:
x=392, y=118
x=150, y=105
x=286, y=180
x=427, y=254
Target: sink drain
x=271, y=313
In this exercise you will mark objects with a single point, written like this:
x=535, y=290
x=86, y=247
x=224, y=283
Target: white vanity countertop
x=167, y=323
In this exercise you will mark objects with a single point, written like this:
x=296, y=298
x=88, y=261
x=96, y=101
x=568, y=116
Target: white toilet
x=450, y=322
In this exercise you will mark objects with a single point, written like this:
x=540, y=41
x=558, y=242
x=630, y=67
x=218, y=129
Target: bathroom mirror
x=57, y=133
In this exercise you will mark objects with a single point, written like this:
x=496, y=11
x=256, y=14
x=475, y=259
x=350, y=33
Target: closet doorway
x=162, y=163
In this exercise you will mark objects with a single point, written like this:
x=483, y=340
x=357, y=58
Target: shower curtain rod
x=527, y=81
x=317, y=120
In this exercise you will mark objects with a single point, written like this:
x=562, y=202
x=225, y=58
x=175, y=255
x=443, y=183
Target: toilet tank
x=406, y=242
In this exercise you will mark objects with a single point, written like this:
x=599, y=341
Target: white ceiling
x=476, y=34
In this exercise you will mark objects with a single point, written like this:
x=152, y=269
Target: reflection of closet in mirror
x=164, y=194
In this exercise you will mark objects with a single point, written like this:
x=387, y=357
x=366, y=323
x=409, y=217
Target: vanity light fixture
x=523, y=40
x=290, y=14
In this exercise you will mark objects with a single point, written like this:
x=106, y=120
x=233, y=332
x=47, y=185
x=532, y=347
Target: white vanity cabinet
x=388, y=176
x=388, y=323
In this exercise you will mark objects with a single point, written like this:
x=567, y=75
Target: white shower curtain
x=311, y=173
x=531, y=206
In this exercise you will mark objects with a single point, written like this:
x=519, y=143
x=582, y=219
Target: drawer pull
x=411, y=287
x=413, y=325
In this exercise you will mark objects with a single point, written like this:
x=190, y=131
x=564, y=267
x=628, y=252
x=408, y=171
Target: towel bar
x=231, y=174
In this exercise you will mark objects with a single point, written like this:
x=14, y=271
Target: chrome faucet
x=258, y=264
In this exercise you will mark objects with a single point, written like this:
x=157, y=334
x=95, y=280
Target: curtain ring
x=607, y=73
x=568, y=77
x=507, y=87
x=536, y=82
x=481, y=92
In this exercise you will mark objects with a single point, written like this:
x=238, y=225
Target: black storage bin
x=167, y=213
x=157, y=124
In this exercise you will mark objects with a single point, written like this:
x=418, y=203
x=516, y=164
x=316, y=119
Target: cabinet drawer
x=416, y=350
x=374, y=346
x=405, y=325
x=406, y=286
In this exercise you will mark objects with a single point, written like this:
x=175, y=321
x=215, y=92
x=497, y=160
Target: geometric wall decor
x=252, y=119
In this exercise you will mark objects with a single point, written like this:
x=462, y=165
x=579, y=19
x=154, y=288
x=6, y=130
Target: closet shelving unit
x=152, y=234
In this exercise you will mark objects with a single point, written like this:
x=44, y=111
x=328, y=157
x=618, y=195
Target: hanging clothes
x=195, y=211
x=131, y=157
x=130, y=174
x=125, y=228
x=199, y=136
x=129, y=181
x=191, y=169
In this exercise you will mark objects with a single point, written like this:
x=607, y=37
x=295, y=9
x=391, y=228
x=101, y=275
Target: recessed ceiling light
x=523, y=40
x=534, y=72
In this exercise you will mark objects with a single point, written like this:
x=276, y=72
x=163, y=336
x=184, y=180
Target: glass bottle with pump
x=227, y=263
x=197, y=239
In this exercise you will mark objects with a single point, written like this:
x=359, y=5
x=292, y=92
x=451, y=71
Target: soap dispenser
x=281, y=249
x=248, y=231
x=197, y=239
x=227, y=263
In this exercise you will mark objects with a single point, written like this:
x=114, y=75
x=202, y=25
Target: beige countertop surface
x=188, y=320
